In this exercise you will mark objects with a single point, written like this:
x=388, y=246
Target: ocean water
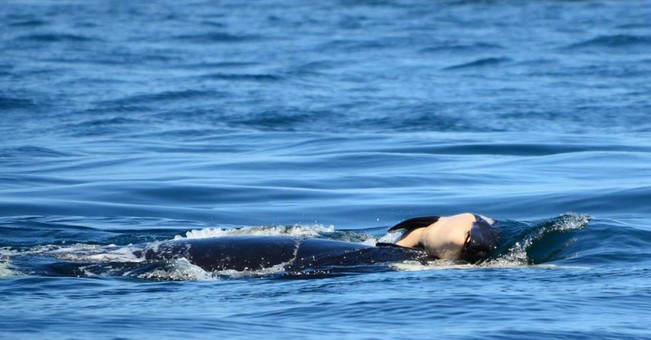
x=124, y=124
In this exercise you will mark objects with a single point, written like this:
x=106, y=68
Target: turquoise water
x=127, y=124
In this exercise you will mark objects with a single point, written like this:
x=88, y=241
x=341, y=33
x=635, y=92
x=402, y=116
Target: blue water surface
x=126, y=123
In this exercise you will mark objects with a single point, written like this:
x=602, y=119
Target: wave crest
x=614, y=41
x=543, y=241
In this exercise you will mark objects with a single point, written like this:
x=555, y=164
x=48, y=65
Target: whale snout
x=482, y=240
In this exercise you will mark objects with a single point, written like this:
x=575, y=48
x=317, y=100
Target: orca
x=465, y=237
x=468, y=238
x=290, y=253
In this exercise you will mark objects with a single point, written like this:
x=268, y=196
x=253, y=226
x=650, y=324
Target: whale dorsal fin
x=415, y=223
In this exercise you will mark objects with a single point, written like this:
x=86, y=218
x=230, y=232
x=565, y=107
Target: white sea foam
x=296, y=230
x=432, y=265
x=386, y=238
x=5, y=270
x=82, y=252
x=115, y=254
x=95, y=253
x=498, y=263
x=178, y=270
x=447, y=264
x=252, y=273
x=183, y=270
x=6, y=252
x=571, y=221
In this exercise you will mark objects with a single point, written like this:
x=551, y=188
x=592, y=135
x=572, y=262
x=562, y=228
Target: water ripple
x=462, y=48
x=215, y=37
x=241, y=77
x=614, y=42
x=11, y=103
x=162, y=97
x=30, y=151
x=56, y=37
x=484, y=62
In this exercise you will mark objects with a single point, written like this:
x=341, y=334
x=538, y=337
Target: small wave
x=55, y=37
x=281, y=119
x=215, y=38
x=484, y=62
x=30, y=151
x=634, y=25
x=541, y=242
x=162, y=96
x=296, y=230
x=104, y=123
x=241, y=77
x=118, y=109
x=460, y=48
x=315, y=67
x=420, y=118
x=221, y=65
x=614, y=41
x=509, y=149
x=28, y=23
x=213, y=24
x=9, y=103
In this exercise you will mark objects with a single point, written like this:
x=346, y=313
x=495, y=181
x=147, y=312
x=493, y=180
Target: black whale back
x=249, y=252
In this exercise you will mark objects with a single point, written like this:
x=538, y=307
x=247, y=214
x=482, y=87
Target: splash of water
x=5, y=270
x=177, y=270
x=295, y=230
x=518, y=253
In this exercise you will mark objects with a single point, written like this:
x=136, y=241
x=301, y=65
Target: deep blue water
x=128, y=123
